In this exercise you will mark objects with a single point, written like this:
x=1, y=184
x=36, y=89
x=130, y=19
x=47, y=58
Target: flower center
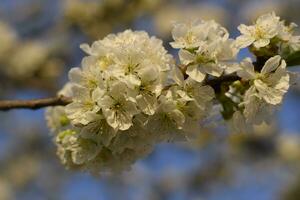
x=104, y=62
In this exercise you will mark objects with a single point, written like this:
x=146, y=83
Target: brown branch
x=62, y=101
x=34, y=103
x=215, y=83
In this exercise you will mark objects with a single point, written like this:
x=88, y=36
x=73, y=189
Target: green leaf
x=293, y=59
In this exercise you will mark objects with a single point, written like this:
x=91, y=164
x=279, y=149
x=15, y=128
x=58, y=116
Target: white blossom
x=122, y=76
x=97, y=148
x=260, y=34
x=117, y=108
x=189, y=35
x=291, y=42
x=128, y=95
x=271, y=83
x=169, y=115
x=267, y=88
x=238, y=123
x=294, y=43
x=172, y=12
x=148, y=91
x=89, y=76
x=83, y=109
x=205, y=48
x=269, y=30
x=56, y=118
x=191, y=90
x=256, y=110
x=182, y=106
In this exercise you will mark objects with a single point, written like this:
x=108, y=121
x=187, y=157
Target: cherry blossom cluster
x=269, y=36
x=128, y=95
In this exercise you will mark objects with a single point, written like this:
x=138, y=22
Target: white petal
x=212, y=69
x=238, y=123
x=178, y=117
x=270, y=95
x=245, y=30
x=75, y=75
x=195, y=73
x=66, y=90
x=106, y=102
x=111, y=118
x=204, y=93
x=147, y=103
x=125, y=121
x=271, y=65
x=148, y=74
x=283, y=83
x=184, y=95
x=186, y=57
x=253, y=105
x=97, y=94
x=244, y=41
x=261, y=43
x=247, y=70
x=86, y=48
x=132, y=81
x=231, y=68
x=118, y=90
x=130, y=108
x=177, y=76
x=88, y=63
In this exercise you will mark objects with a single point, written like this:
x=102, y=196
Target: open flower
x=83, y=109
x=123, y=75
x=271, y=83
x=117, y=108
x=191, y=90
x=256, y=109
x=205, y=48
x=89, y=76
x=148, y=91
x=189, y=35
x=260, y=34
x=267, y=88
x=124, y=100
x=169, y=116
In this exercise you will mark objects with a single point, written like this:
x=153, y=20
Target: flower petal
x=261, y=43
x=271, y=64
x=246, y=70
x=195, y=73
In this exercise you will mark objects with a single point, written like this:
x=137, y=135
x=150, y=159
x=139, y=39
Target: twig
x=34, y=103
x=225, y=78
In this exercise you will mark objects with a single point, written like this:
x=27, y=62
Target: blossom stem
x=216, y=83
x=34, y=104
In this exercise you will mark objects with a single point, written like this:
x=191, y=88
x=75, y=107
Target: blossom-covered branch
x=129, y=94
x=34, y=103
x=60, y=100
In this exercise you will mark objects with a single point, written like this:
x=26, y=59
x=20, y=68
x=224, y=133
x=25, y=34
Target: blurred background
x=39, y=43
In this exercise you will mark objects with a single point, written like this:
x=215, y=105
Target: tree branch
x=34, y=103
x=216, y=83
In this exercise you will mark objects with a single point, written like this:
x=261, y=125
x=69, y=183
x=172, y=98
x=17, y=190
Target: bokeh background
x=39, y=43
